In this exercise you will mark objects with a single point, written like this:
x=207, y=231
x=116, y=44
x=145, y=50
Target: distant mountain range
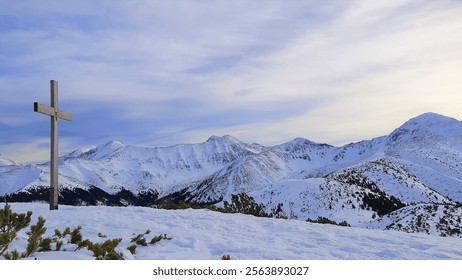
x=410, y=180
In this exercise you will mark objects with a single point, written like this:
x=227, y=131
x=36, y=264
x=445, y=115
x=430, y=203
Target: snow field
x=208, y=235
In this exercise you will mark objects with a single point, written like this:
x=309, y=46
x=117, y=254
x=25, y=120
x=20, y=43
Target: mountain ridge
x=417, y=163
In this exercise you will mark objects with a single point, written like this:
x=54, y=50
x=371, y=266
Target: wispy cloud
x=374, y=67
x=165, y=72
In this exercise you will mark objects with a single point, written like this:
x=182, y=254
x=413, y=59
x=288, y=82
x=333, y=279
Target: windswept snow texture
x=419, y=163
x=203, y=235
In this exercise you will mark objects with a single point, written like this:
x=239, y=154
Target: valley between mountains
x=409, y=180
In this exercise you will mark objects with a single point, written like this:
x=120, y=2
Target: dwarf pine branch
x=158, y=238
x=10, y=224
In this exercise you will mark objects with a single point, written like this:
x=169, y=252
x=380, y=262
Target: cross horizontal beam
x=50, y=111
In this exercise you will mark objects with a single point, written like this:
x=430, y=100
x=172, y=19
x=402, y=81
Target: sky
x=160, y=73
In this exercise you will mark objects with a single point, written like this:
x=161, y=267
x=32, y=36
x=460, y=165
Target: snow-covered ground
x=208, y=235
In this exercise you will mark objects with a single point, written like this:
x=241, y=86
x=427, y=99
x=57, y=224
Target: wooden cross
x=55, y=114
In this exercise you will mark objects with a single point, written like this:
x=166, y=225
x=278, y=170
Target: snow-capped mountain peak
x=103, y=150
x=301, y=143
x=215, y=138
x=113, y=145
x=78, y=152
x=428, y=125
x=229, y=141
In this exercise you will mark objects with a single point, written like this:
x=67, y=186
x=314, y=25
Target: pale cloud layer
x=167, y=72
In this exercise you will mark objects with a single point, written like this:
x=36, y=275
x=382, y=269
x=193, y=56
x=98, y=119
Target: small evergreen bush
x=10, y=224
x=59, y=244
x=132, y=249
x=324, y=220
x=245, y=204
x=158, y=238
x=76, y=235
x=13, y=255
x=140, y=239
x=36, y=243
x=106, y=250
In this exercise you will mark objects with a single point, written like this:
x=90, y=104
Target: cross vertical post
x=55, y=115
x=54, y=147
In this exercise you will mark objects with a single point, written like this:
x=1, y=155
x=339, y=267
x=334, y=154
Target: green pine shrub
x=245, y=204
x=158, y=238
x=106, y=250
x=324, y=220
x=140, y=239
x=344, y=224
x=59, y=245
x=67, y=231
x=13, y=255
x=82, y=244
x=10, y=224
x=35, y=242
x=132, y=249
x=76, y=235
x=58, y=233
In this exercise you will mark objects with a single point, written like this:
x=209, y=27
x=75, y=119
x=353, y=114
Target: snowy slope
x=299, y=158
x=434, y=219
x=418, y=163
x=14, y=177
x=5, y=161
x=435, y=161
x=203, y=234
